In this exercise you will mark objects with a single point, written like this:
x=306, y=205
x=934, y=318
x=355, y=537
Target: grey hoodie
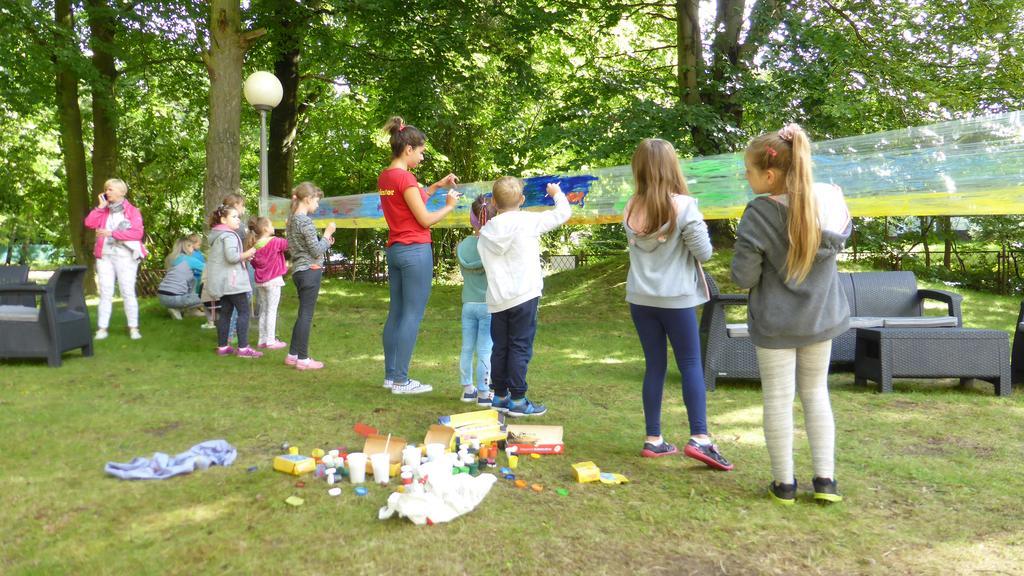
x=225, y=271
x=664, y=270
x=781, y=313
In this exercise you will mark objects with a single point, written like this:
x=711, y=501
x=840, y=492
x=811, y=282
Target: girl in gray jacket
x=787, y=257
x=227, y=279
x=667, y=242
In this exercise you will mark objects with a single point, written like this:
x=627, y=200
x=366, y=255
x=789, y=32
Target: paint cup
x=381, y=467
x=435, y=452
x=357, y=467
x=411, y=456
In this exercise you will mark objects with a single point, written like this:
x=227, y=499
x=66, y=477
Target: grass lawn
x=931, y=473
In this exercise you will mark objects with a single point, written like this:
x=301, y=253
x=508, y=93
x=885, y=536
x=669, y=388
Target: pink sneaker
x=291, y=359
x=248, y=352
x=225, y=351
x=275, y=345
x=308, y=364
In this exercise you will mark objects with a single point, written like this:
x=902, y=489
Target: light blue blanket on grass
x=162, y=466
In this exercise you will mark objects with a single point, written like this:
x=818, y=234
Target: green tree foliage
x=513, y=87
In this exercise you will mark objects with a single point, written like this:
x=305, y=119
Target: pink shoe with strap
x=248, y=352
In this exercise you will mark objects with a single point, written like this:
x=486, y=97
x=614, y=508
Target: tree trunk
x=102, y=27
x=926, y=225
x=689, y=52
x=69, y=117
x=946, y=227
x=224, y=62
x=290, y=32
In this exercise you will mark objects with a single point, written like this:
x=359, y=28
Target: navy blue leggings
x=680, y=326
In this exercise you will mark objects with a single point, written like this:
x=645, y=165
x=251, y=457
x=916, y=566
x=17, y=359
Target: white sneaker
x=101, y=334
x=208, y=326
x=388, y=383
x=411, y=387
x=175, y=313
x=135, y=334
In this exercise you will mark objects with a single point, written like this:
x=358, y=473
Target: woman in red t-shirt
x=410, y=259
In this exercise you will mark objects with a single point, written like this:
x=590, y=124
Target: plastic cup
x=411, y=456
x=435, y=452
x=357, y=467
x=381, y=467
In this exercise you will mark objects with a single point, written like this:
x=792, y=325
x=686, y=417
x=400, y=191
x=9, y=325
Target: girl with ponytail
x=409, y=255
x=785, y=253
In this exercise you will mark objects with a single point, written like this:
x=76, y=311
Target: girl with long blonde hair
x=787, y=259
x=668, y=240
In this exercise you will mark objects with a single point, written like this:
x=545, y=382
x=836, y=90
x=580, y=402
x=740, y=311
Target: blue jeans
x=410, y=273
x=512, y=331
x=680, y=326
x=476, y=337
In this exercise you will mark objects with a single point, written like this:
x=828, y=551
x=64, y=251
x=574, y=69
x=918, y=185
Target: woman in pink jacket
x=118, y=252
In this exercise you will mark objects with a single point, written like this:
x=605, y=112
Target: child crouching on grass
x=510, y=250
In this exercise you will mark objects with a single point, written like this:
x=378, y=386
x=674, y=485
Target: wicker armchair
x=54, y=321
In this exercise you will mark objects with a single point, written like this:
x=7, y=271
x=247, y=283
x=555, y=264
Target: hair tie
x=771, y=152
x=401, y=125
x=786, y=133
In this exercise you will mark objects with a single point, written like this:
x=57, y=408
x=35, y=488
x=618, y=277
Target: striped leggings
x=783, y=372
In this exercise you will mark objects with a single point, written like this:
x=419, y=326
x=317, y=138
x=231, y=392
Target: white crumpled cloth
x=444, y=497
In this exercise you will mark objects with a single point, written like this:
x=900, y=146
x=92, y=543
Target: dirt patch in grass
x=945, y=445
x=161, y=431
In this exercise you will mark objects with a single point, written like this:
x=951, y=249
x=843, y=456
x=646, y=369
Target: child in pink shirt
x=270, y=267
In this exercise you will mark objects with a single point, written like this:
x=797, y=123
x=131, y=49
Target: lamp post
x=263, y=91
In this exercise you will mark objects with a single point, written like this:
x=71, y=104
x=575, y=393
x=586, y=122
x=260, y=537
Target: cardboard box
x=294, y=464
x=530, y=439
x=439, y=434
x=482, y=425
x=586, y=472
x=375, y=444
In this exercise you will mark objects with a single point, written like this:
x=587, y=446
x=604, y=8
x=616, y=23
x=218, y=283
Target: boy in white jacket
x=509, y=247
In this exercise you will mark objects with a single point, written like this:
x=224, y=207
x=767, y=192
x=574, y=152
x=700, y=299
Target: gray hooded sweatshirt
x=225, y=271
x=781, y=313
x=664, y=270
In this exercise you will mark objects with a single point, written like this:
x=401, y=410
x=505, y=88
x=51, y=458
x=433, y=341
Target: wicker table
x=886, y=353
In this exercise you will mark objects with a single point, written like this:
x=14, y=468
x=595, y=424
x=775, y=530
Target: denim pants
x=679, y=325
x=228, y=304
x=512, y=331
x=476, y=337
x=410, y=273
x=307, y=284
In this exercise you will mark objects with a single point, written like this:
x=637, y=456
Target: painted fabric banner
x=958, y=168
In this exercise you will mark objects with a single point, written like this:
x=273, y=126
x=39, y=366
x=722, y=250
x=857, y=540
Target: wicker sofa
x=876, y=299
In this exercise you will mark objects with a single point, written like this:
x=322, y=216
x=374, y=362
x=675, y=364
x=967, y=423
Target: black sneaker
x=784, y=494
x=656, y=450
x=708, y=454
x=826, y=490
